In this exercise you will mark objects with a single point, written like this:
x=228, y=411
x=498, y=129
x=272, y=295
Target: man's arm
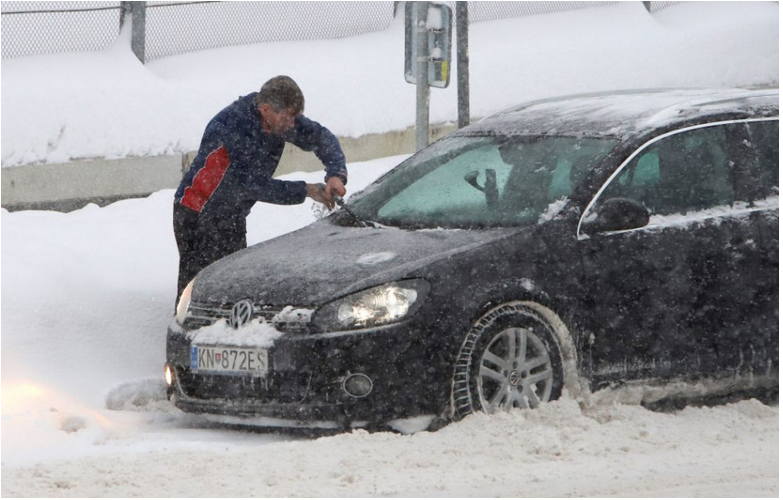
x=312, y=136
x=278, y=192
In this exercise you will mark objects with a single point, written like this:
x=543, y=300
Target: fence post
x=648, y=6
x=138, y=17
x=139, y=28
x=463, y=75
x=124, y=10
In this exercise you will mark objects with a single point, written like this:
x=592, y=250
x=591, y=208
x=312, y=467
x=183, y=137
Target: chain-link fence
x=31, y=28
x=174, y=28
x=488, y=11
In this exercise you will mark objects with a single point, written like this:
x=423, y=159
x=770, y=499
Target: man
x=239, y=153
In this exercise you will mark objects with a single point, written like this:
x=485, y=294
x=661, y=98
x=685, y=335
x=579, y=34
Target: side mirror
x=617, y=214
x=471, y=178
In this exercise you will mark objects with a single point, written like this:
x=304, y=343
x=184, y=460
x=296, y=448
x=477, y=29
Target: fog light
x=357, y=385
x=169, y=374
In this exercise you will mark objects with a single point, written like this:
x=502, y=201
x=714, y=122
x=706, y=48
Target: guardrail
x=70, y=186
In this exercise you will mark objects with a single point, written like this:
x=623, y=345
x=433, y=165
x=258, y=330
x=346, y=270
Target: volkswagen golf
x=624, y=240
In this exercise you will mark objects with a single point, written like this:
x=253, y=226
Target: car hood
x=323, y=261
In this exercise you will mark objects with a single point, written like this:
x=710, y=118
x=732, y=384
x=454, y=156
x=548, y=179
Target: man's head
x=279, y=102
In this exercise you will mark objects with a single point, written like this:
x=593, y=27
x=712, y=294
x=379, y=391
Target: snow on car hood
x=323, y=261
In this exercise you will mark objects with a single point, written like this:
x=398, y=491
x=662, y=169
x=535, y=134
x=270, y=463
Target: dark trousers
x=201, y=241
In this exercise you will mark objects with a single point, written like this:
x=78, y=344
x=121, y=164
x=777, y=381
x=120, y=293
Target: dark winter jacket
x=237, y=158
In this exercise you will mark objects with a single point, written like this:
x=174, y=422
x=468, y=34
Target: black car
x=615, y=240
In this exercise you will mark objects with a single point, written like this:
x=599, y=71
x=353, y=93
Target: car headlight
x=376, y=306
x=184, y=303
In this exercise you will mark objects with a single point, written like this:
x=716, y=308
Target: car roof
x=626, y=113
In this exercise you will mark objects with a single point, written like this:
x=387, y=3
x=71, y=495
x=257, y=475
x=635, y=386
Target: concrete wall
x=68, y=186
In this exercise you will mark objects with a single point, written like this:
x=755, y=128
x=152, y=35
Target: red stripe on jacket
x=206, y=181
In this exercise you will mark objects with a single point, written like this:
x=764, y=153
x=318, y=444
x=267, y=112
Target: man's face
x=278, y=122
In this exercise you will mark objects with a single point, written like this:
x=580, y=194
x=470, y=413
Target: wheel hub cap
x=514, y=378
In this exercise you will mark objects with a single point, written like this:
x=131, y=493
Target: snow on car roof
x=625, y=113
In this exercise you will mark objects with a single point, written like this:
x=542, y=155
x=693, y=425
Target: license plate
x=236, y=360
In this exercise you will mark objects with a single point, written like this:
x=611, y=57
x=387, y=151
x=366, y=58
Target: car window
x=445, y=189
x=764, y=137
x=680, y=173
x=481, y=181
x=644, y=172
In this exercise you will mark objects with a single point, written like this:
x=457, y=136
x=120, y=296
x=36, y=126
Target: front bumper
x=410, y=377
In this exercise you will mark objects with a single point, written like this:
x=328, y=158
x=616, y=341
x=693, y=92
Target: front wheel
x=512, y=358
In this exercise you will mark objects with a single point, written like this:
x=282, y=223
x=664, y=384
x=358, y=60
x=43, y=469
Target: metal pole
x=124, y=11
x=138, y=28
x=463, y=73
x=422, y=78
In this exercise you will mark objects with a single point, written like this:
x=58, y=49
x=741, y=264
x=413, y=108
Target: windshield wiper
x=362, y=223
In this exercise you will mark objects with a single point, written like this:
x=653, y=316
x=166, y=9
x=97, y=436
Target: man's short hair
x=282, y=93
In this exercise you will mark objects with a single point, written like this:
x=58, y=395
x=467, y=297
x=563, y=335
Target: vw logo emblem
x=241, y=313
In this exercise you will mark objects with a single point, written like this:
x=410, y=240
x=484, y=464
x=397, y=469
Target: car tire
x=517, y=355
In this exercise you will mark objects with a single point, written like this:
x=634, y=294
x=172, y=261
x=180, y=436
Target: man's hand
x=318, y=193
x=334, y=187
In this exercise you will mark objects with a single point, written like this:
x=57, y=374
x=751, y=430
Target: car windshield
x=480, y=182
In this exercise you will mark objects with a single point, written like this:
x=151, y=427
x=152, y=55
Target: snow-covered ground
x=558, y=451
x=87, y=296
x=86, y=299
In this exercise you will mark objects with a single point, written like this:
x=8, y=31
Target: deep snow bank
x=107, y=104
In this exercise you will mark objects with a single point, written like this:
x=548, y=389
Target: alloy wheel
x=515, y=371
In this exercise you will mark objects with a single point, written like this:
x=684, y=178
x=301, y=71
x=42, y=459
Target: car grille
x=203, y=314
x=288, y=388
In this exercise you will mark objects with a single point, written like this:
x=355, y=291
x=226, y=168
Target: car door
x=760, y=337
x=663, y=293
